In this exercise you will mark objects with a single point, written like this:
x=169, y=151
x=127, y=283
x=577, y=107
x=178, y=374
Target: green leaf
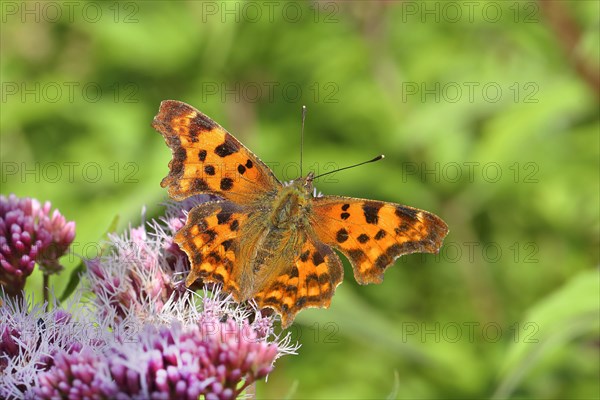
x=564, y=315
x=73, y=281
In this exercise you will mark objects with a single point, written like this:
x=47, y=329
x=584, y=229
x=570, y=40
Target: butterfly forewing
x=372, y=234
x=208, y=159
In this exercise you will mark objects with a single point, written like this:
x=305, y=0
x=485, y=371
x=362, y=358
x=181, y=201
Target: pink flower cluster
x=168, y=362
x=142, y=334
x=30, y=234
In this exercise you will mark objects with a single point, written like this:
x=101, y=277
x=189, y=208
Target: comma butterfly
x=274, y=242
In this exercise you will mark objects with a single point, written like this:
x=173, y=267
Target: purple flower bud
x=8, y=346
x=28, y=234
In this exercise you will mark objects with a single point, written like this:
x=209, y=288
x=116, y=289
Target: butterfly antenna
x=379, y=157
x=302, y=137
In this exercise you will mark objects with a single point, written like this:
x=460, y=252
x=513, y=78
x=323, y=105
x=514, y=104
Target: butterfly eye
x=309, y=180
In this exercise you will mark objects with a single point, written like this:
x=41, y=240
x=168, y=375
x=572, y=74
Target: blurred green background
x=487, y=113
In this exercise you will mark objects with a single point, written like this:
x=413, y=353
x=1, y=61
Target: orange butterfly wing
x=207, y=158
x=373, y=234
x=310, y=281
x=210, y=238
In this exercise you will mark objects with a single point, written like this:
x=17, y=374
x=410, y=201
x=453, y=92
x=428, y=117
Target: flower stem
x=46, y=284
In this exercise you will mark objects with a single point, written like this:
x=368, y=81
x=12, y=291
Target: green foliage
x=566, y=314
x=509, y=308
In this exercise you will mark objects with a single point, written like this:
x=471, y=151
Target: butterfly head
x=303, y=186
x=307, y=183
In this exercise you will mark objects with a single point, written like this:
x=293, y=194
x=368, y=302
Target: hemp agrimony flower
x=134, y=331
x=29, y=234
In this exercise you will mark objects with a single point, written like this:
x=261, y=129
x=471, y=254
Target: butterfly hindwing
x=310, y=281
x=210, y=239
x=372, y=234
x=208, y=159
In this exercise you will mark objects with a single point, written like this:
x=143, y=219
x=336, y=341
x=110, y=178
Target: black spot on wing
x=226, y=184
x=371, y=210
x=304, y=256
x=223, y=217
x=403, y=212
x=341, y=235
x=202, y=155
x=317, y=258
x=227, y=263
x=362, y=238
x=403, y=228
x=227, y=244
x=344, y=215
x=380, y=235
x=210, y=235
x=277, y=286
x=234, y=225
x=249, y=164
x=294, y=272
x=228, y=147
x=345, y=207
x=241, y=169
x=200, y=185
x=357, y=255
x=209, y=169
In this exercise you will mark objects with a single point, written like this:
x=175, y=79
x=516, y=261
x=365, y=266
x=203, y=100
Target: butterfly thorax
x=292, y=204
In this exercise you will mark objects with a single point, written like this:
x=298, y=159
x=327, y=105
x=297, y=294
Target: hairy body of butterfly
x=273, y=242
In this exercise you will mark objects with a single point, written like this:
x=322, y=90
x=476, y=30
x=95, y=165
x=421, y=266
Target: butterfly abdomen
x=271, y=253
